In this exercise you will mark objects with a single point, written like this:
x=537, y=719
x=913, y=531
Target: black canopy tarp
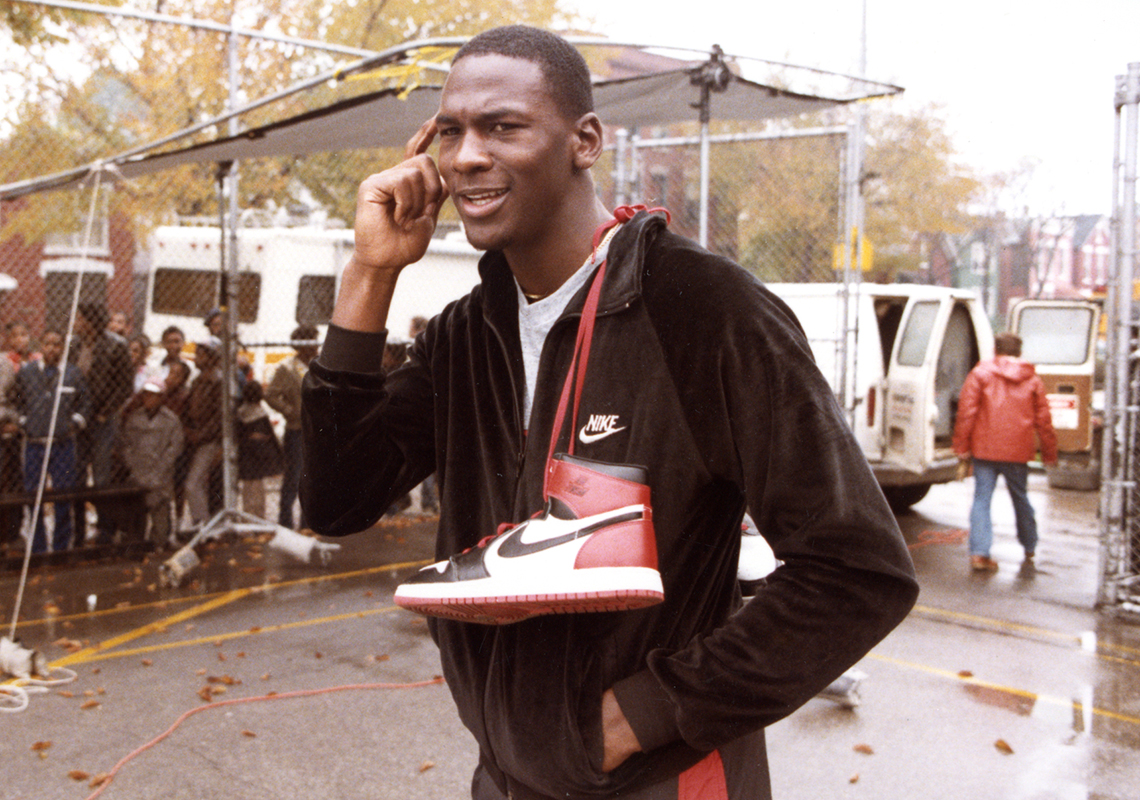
x=390, y=117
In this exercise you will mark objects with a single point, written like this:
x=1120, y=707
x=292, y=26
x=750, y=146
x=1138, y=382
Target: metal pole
x=705, y=114
x=229, y=297
x=1110, y=502
x=712, y=76
x=849, y=227
x=621, y=179
x=201, y=24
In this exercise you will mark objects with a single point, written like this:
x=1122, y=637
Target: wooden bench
x=123, y=508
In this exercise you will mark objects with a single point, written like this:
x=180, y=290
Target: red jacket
x=1001, y=405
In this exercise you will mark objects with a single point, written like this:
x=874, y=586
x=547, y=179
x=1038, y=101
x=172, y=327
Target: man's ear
x=588, y=138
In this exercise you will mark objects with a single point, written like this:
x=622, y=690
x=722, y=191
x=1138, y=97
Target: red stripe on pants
x=704, y=780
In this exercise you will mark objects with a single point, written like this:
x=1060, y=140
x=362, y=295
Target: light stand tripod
x=230, y=519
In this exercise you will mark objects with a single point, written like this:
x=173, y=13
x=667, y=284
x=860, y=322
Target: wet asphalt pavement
x=304, y=681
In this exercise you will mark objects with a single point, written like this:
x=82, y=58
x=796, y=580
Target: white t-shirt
x=537, y=318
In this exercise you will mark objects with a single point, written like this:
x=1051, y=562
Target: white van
x=909, y=348
x=286, y=276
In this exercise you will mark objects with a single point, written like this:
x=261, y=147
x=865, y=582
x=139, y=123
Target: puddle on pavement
x=89, y=600
x=1076, y=717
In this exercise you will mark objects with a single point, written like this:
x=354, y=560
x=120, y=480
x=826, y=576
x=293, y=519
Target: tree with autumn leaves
x=83, y=87
x=93, y=87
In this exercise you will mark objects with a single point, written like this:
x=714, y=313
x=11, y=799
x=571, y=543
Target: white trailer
x=286, y=276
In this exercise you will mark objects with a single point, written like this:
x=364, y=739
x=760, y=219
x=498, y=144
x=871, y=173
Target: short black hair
x=1007, y=344
x=566, y=72
x=96, y=314
x=305, y=332
x=173, y=329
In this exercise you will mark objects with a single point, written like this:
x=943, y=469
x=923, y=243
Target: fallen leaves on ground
x=1003, y=747
x=865, y=749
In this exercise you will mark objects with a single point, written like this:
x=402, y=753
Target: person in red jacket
x=1001, y=407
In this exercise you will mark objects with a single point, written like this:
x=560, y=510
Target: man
x=173, y=340
x=202, y=427
x=284, y=395
x=10, y=474
x=697, y=373
x=105, y=360
x=152, y=442
x=1001, y=406
x=35, y=391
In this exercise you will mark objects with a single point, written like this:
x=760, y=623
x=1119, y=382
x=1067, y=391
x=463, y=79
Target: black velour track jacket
x=710, y=380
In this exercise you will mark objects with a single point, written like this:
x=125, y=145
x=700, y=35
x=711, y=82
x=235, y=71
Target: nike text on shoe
x=591, y=549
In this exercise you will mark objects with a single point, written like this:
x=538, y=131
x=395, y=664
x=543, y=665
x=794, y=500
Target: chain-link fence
x=157, y=331
x=774, y=204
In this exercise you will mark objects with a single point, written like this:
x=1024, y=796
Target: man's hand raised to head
x=396, y=212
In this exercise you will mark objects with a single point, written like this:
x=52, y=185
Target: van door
x=1059, y=338
x=935, y=350
x=910, y=408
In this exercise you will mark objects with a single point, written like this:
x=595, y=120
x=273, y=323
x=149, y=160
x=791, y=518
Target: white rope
x=36, y=508
x=32, y=675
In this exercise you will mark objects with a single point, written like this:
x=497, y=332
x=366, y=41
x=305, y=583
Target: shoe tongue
x=556, y=508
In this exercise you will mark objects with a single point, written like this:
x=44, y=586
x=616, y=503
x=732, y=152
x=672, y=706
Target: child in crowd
x=259, y=452
x=151, y=443
x=20, y=344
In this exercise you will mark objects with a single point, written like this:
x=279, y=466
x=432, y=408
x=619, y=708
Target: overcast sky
x=1019, y=79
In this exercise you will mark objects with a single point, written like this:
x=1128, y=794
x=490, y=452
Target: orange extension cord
x=235, y=701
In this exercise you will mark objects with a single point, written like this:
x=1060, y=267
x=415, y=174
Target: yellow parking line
x=223, y=637
x=958, y=678
x=86, y=654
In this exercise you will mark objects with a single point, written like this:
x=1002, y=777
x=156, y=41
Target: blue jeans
x=981, y=525
x=291, y=480
x=63, y=468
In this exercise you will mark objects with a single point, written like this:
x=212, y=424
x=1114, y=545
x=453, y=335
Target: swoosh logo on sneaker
x=513, y=546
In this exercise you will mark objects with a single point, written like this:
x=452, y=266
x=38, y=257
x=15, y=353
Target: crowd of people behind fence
x=129, y=418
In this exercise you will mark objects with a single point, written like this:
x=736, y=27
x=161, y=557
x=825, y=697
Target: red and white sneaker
x=592, y=548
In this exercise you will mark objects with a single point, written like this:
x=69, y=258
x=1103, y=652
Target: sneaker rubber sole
x=641, y=588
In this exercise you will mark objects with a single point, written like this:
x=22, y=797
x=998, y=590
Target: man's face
x=205, y=358
x=83, y=327
x=52, y=348
x=506, y=151
x=172, y=343
x=151, y=401
x=178, y=375
x=138, y=352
